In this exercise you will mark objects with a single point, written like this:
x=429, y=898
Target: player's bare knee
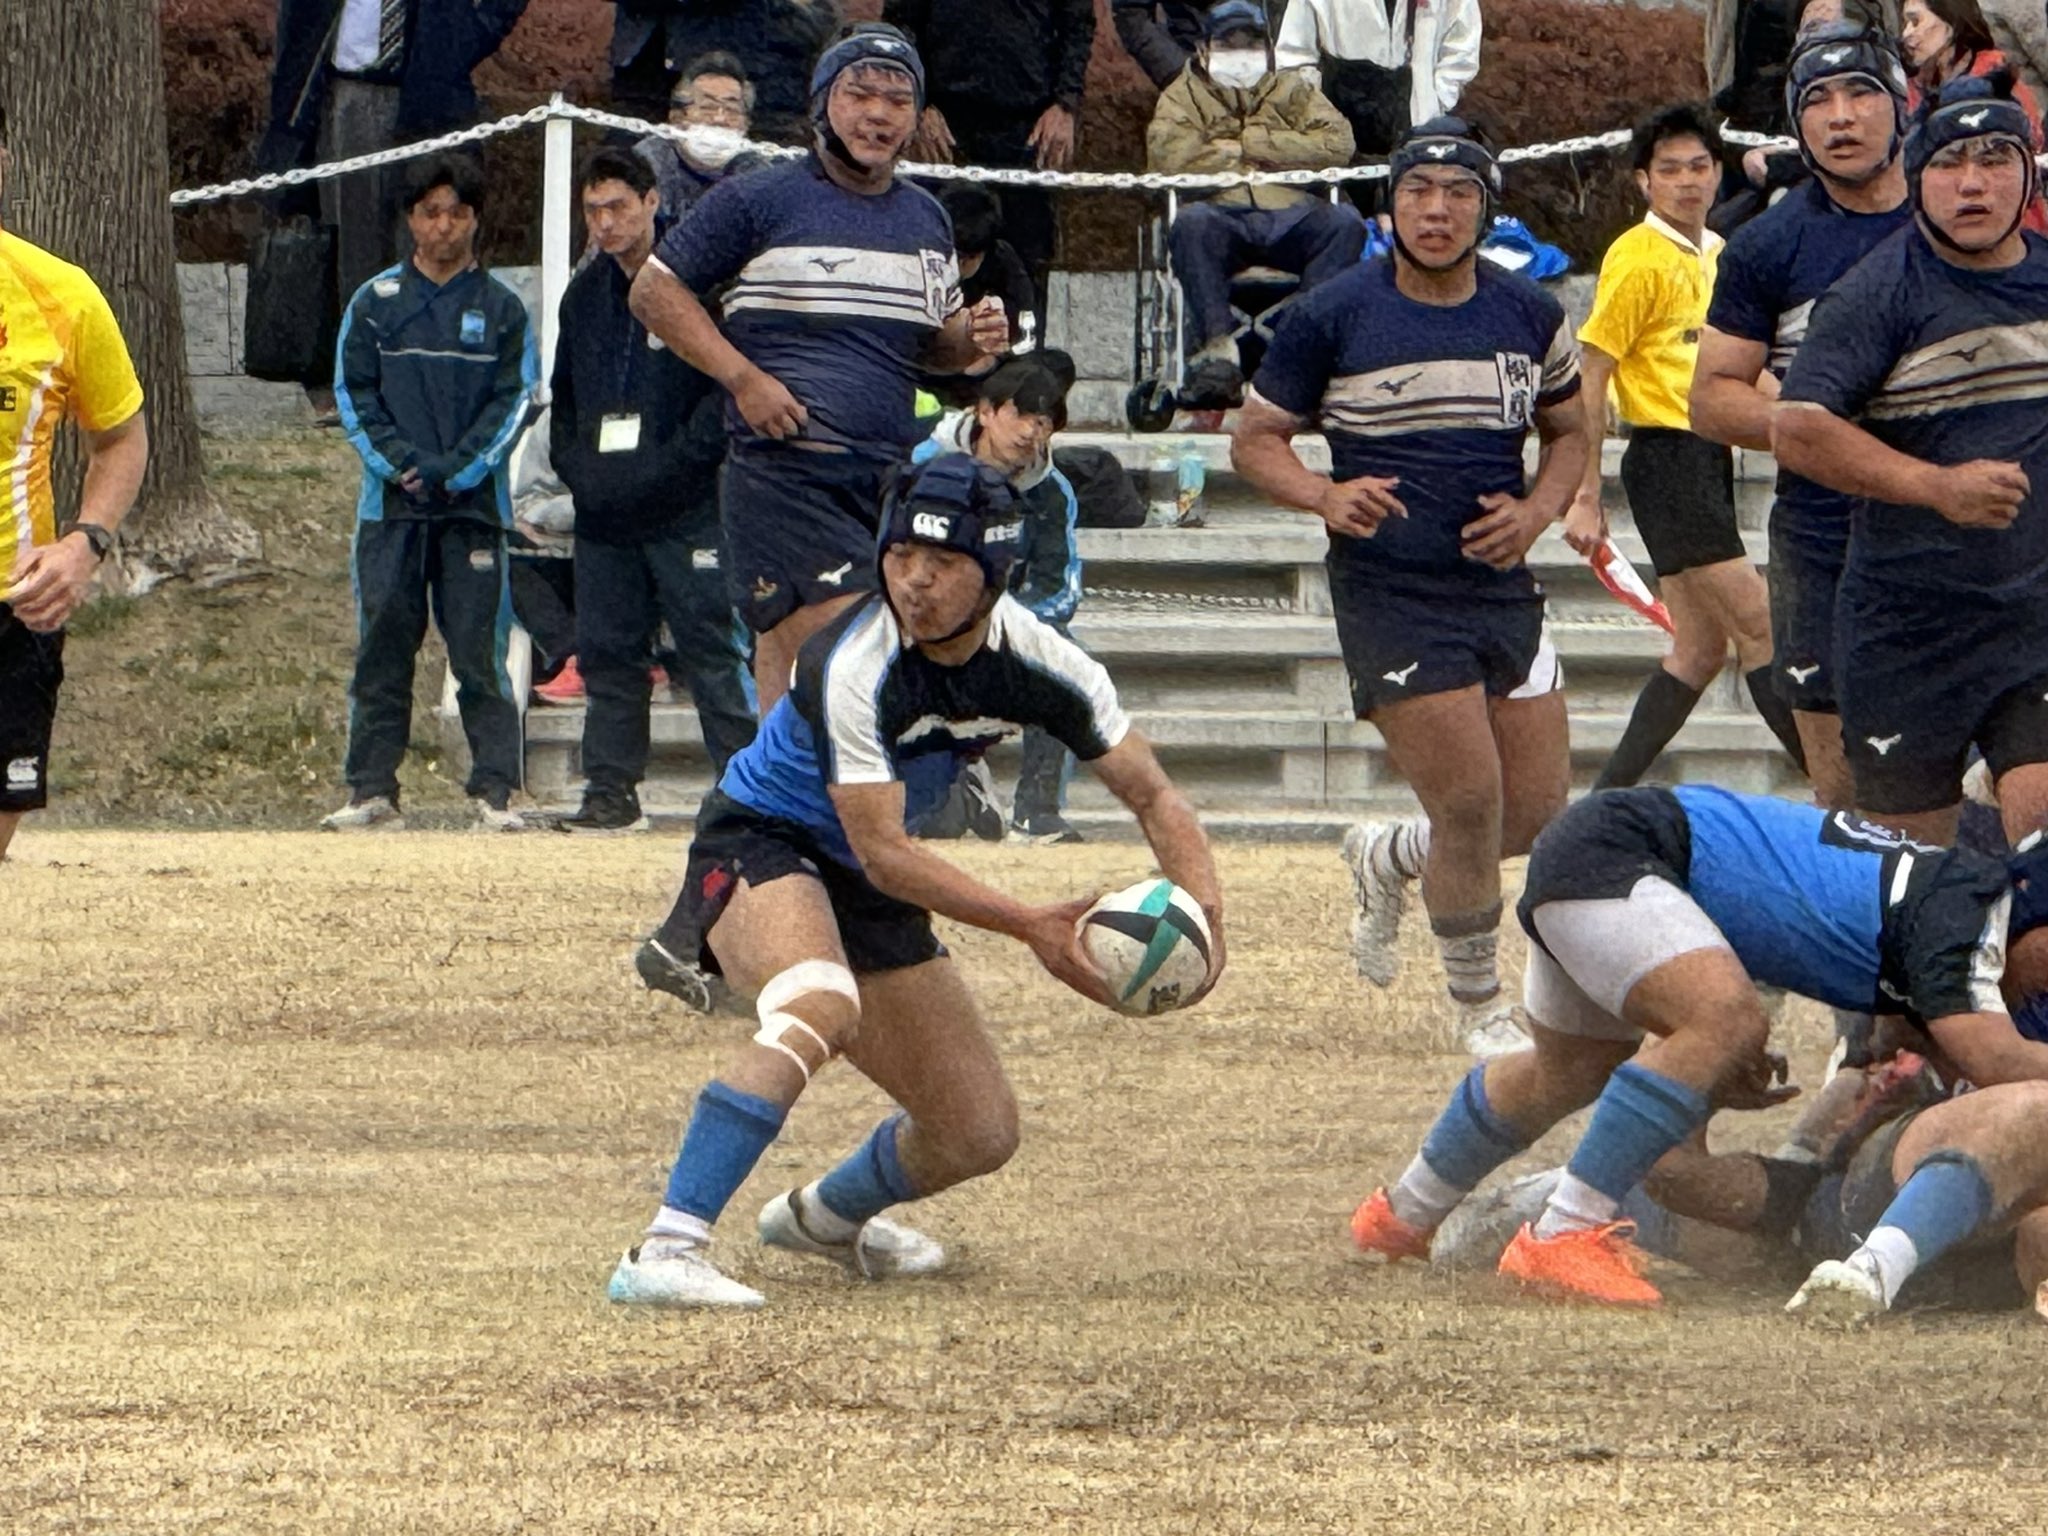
x=809, y=1013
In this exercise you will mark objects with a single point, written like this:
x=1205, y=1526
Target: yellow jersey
x=61, y=354
x=1648, y=311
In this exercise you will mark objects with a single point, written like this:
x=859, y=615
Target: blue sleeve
x=1740, y=306
x=1851, y=346
x=709, y=248
x=1295, y=372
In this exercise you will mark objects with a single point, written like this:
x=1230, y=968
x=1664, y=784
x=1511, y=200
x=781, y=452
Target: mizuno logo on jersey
x=1395, y=386
x=832, y=578
x=827, y=264
x=1400, y=679
x=1884, y=744
x=1967, y=354
x=1801, y=674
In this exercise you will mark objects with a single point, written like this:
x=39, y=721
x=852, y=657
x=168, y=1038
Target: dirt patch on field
x=319, y=1152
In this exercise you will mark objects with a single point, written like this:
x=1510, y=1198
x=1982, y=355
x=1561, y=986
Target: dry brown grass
x=317, y=1153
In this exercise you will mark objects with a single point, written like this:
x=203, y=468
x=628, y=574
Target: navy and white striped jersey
x=1947, y=365
x=834, y=293
x=1772, y=271
x=869, y=708
x=1441, y=396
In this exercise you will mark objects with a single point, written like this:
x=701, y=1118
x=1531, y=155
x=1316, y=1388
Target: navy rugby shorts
x=799, y=528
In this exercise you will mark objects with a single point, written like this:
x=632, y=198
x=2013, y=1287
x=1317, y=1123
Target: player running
x=1845, y=96
x=1426, y=372
x=1657, y=912
x=1922, y=386
x=810, y=893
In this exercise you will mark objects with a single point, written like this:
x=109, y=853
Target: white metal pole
x=557, y=177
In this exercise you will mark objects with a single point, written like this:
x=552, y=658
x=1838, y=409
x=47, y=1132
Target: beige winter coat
x=1281, y=124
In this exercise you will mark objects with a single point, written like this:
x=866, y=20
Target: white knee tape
x=800, y=980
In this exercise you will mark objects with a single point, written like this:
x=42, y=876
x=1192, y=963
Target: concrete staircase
x=1220, y=641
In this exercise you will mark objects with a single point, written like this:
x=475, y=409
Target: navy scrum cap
x=1444, y=141
x=868, y=42
x=956, y=502
x=1974, y=107
x=1843, y=48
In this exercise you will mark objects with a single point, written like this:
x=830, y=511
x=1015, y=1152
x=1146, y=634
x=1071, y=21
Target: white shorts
x=1594, y=952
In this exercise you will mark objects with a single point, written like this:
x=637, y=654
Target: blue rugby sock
x=1945, y=1200
x=871, y=1180
x=1639, y=1116
x=1468, y=1141
x=729, y=1130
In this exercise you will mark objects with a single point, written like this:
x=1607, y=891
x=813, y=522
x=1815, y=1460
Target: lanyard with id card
x=618, y=432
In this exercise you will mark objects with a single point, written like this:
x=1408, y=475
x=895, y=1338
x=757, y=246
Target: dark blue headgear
x=1846, y=48
x=2029, y=872
x=1972, y=107
x=868, y=42
x=956, y=502
x=1235, y=16
x=1444, y=141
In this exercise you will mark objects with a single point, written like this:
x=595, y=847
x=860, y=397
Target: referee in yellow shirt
x=61, y=354
x=1643, y=334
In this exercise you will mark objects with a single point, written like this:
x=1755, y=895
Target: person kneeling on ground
x=803, y=887
x=1230, y=111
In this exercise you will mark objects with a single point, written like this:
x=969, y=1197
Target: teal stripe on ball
x=1164, y=936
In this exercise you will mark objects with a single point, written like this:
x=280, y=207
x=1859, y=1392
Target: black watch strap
x=98, y=537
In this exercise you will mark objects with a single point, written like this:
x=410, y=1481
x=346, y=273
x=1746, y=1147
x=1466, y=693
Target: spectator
x=714, y=106
x=353, y=76
x=989, y=268
x=542, y=568
x=1386, y=64
x=1005, y=92
x=435, y=368
x=776, y=42
x=846, y=287
x=635, y=438
x=1018, y=408
x=1945, y=40
x=1161, y=35
x=61, y=354
x=1231, y=111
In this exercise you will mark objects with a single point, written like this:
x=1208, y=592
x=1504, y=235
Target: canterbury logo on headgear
x=930, y=525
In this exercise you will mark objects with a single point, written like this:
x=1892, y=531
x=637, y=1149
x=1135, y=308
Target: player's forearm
x=114, y=467
x=1564, y=463
x=1596, y=368
x=904, y=870
x=1812, y=441
x=1182, y=848
x=660, y=302
x=1269, y=461
x=1726, y=410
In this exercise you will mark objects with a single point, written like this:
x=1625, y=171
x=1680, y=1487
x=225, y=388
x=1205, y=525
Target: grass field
x=315, y=1155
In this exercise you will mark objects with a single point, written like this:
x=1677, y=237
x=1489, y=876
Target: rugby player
x=1426, y=373
x=1657, y=912
x=1922, y=387
x=844, y=285
x=1643, y=333
x=1845, y=96
x=810, y=893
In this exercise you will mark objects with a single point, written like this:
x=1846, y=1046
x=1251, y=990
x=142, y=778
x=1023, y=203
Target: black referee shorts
x=1681, y=492
x=31, y=669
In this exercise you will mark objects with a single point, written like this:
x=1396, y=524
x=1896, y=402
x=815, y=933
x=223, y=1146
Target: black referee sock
x=1661, y=708
x=1763, y=693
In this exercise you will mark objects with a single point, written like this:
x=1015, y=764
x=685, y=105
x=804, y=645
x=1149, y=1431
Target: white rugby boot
x=378, y=811
x=1493, y=1028
x=880, y=1250
x=664, y=1273
x=1840, y=1293
x=1379, y=893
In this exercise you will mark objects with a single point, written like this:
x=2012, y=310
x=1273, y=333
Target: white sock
x=1889, y=1253
x=673, y=1231
x=819, y=1219
x=1574, y=1206
x=1422, y=1197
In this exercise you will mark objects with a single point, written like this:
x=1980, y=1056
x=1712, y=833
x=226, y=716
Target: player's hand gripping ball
x=1152, y=942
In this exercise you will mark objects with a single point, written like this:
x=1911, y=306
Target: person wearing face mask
x=1230, y=110
x=713, y=104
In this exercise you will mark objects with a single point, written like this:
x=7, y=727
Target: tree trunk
x=83, y=91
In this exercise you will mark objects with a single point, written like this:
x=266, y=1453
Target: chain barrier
x=1104, y=181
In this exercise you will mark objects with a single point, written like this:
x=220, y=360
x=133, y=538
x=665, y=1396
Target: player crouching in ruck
x=1654, y=911
x=810, y=893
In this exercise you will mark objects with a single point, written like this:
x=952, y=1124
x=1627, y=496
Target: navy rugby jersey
x=1946, y=365
x=1772, y=271
x=868, y=708
x=1442, y=396
x=1846, y=912
x=833, y=293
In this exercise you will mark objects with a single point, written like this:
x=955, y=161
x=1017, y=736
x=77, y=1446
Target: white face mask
x=1238, y=68
x=710, y=146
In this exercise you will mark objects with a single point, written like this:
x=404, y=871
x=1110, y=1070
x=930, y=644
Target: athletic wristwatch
x=98, y=537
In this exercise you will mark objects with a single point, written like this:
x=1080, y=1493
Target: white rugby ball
x=1152, y=942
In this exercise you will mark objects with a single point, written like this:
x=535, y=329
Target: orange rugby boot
x=1596, y=1263
x=1381, y=1234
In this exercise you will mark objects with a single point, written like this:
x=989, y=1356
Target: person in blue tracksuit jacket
x=434, y=370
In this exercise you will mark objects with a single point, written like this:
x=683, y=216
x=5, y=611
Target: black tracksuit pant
x=623, y=593
x=403, y=568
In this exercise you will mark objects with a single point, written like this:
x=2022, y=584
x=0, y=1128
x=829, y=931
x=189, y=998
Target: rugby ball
x=1152, y=942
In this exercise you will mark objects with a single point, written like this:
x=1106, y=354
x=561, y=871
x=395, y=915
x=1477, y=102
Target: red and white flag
x=1620, y=578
